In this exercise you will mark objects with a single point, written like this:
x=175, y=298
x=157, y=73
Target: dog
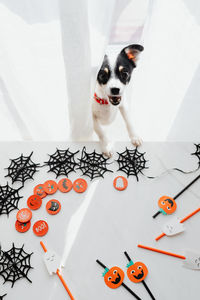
x=113, y=76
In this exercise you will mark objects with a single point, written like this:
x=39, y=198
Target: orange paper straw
x=59, y=275
x=162, y=251
x=182, y=221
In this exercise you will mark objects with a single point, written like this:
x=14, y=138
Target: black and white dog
x=114, y=75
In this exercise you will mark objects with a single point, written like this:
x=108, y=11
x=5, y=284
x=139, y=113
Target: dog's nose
x=114, y=91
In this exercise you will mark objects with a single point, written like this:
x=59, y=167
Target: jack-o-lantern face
x=167, y=205
x=114, y=277
x=137, y=272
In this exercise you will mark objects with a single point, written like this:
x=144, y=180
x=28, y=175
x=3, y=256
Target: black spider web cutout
x=22, y=169
x=1, y=297
x=93, y=164
x=197, y=153
x=9, y=198
x=15, y=264
x=132, y=162
x=62, y=162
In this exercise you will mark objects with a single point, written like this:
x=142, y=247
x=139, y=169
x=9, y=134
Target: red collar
x=100, y=100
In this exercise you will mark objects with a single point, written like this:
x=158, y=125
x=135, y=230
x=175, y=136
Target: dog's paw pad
x=136, y=141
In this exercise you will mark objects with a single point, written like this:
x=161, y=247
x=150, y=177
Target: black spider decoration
x=1, y=297
x=14, y=264
x=9, y=198
x=132, y=162
x=62, y=162
x=197, y=153
x=93, y=164
x=22, y=168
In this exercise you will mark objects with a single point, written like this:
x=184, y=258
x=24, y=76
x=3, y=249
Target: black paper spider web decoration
x=22, y=168
x=132, y=162
x=62, y=162
x=197, y=153
x=1, y=297
x=15, y=264
x=93, y=164
x=9, y=199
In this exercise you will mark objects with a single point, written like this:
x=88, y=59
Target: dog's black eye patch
x=123, y=68
x=103, y=76
x=104, y=72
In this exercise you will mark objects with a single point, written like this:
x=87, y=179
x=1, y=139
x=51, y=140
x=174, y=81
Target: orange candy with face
x=167, y=205
x=137, y=272
x=114, y=277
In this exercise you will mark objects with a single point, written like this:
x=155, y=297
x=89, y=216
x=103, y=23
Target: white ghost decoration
x=119, y=183
x=52, y=261
x=173, y=227
x=192, y=260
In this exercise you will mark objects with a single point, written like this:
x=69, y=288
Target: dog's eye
x=103, y=76
x=124, y=74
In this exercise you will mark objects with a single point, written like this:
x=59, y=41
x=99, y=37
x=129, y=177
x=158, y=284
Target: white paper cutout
x=173, y=226
x=119, y=183
x=52, y=261
x=192, y=260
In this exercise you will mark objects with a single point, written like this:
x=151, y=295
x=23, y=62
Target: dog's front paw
x=136, y=141
x=107, y=150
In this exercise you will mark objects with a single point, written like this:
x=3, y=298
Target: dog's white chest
x=104, y=113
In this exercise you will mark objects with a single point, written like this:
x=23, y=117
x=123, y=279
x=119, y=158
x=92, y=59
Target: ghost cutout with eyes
x=173, y=227
x=52, y=261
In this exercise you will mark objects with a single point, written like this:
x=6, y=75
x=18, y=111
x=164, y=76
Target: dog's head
x=115, y=72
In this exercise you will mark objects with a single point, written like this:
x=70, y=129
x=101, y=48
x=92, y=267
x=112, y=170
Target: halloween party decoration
x=1, y=297
x=62, y=162
x=120, y=183
x=191, y=259
x=34, y=202
x=175, y=225
x=9, y=199
x=174, y=198
x=50, y=187
x=15, y=264
x=22, y=169
x=53, y=207
x=93, y=164
x=114, y=277
x=53, y=264
x=132, y=162
x=22, y=227
x=40, y=228
x=167, y=205
x=24, y=215
x=65, y=185
x=197, y=153
x=137, y=272
x=80, y=185
x=39, y=190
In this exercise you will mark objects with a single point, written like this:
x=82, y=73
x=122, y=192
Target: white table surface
x=102, y=223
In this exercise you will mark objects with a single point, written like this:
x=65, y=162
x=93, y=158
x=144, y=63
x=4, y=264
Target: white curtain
x=50, y=52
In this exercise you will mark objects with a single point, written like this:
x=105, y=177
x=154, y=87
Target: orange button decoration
x=114, y=277
x=120, y=183
x=50, y=187
x=24, y=215
x=167, y=205
x=34, y=202
x=22, y=227
x=39, y=190
x=65, y=185
x=80, y=185
x=53, y=207
x=137, y=271
x=40, y=228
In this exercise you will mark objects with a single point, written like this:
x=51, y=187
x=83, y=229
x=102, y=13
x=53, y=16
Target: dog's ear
x=132, y=52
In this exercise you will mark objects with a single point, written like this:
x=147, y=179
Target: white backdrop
x=50, y=52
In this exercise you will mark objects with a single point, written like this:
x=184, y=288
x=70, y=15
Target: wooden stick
x=182, y=221
x=162, y=251
x=59, y=275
